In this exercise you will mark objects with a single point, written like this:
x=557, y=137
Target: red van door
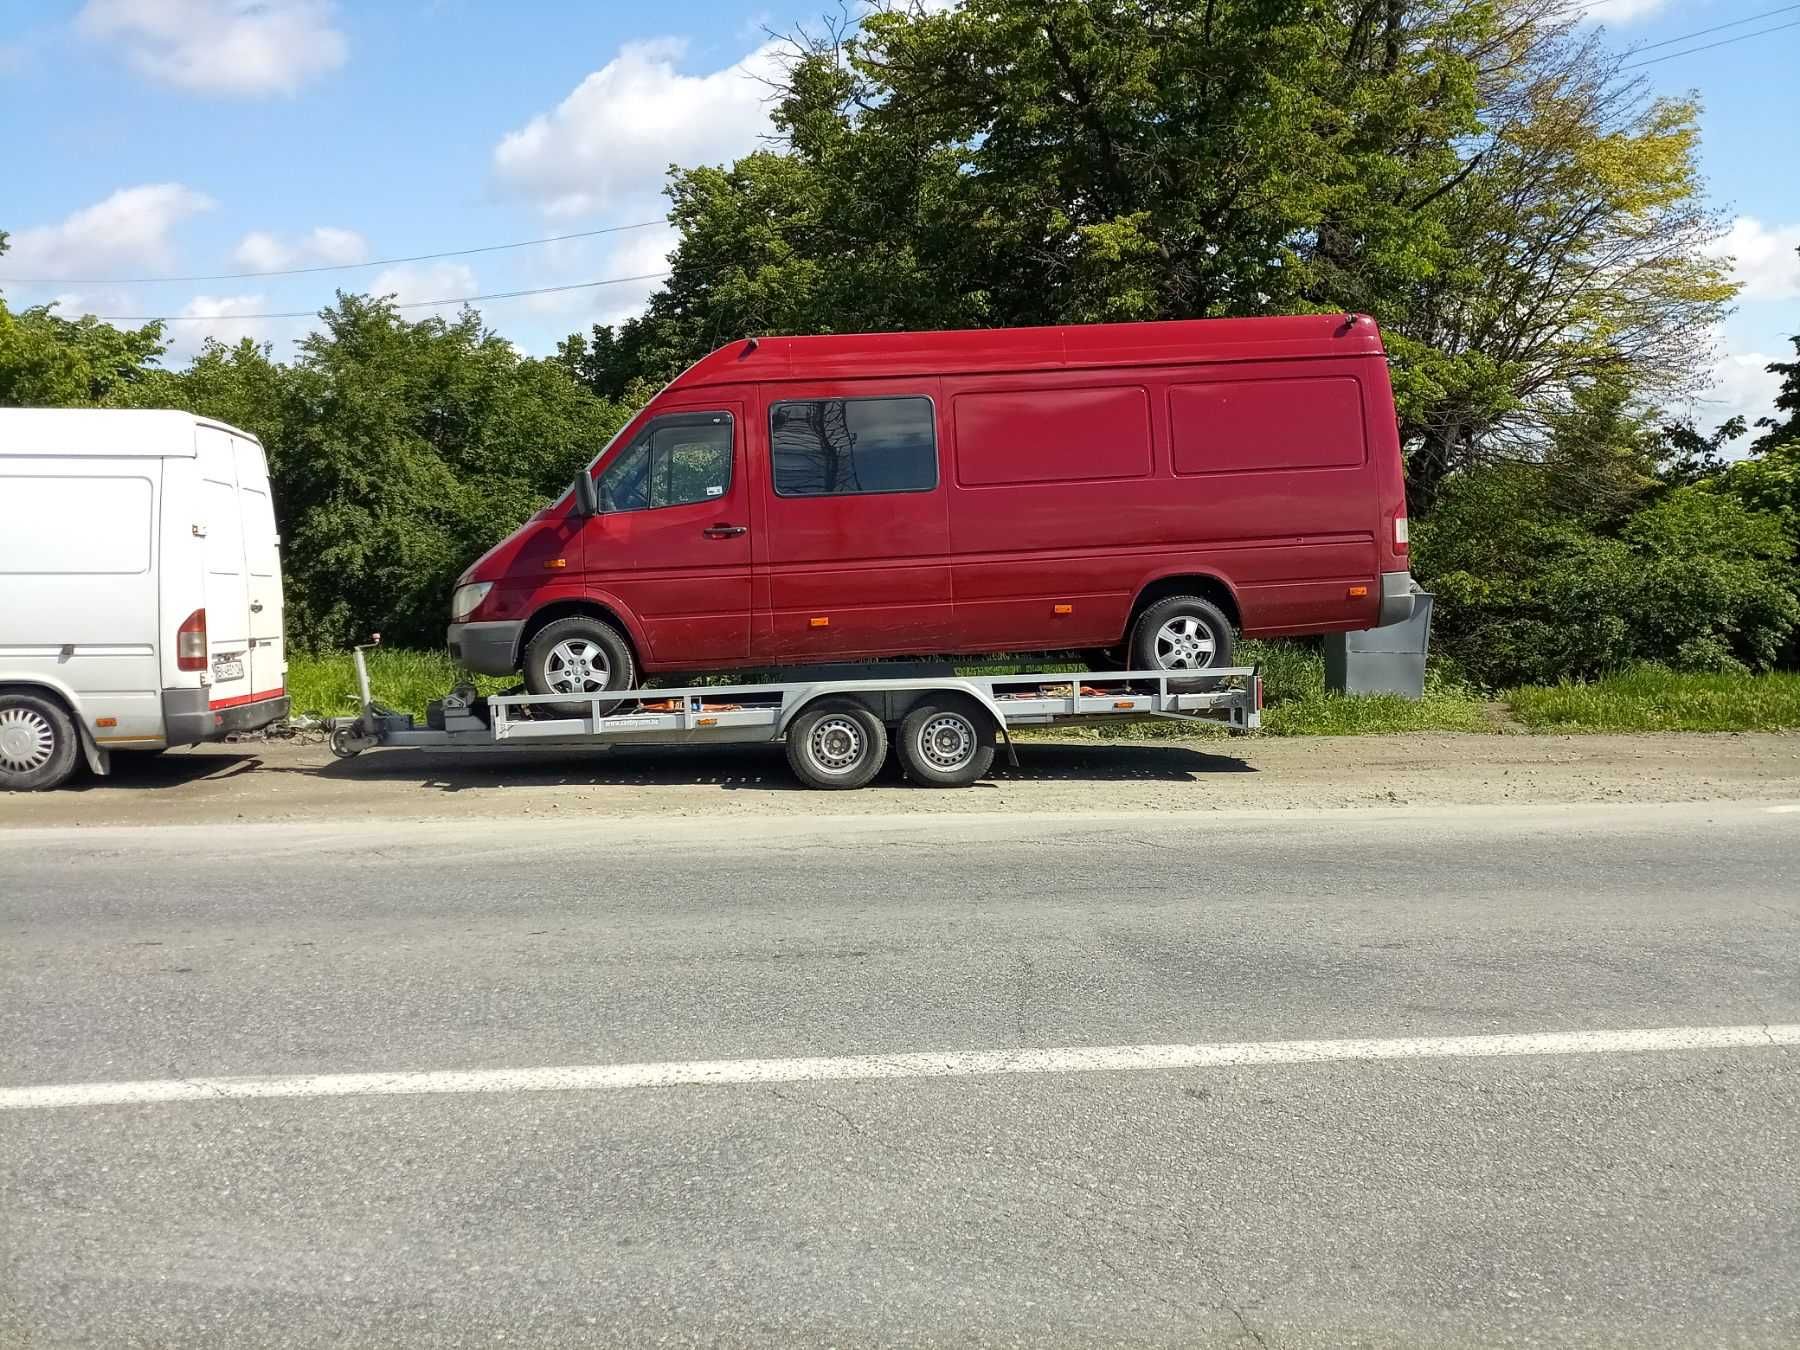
x=857, y=532
x=671, y=545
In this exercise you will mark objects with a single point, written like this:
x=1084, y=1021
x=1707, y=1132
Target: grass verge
x=1650, y=698
x=325, y=685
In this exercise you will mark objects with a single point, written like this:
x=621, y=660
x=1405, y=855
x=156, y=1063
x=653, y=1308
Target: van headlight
x=464, y=599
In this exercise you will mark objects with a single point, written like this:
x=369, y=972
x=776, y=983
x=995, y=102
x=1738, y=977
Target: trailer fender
x=872, y=693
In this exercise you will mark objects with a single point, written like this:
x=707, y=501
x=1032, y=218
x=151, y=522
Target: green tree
x=1785, y=428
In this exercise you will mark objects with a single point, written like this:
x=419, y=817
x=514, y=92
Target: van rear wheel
x=38, y=747
x=1182, y=632
x=579, y=656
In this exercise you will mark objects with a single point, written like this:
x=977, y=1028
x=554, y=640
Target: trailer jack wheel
x=346, y=744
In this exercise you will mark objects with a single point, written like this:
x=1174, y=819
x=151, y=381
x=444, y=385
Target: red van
x=1133, y=491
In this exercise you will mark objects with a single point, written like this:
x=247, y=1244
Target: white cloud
x=129, y=231
x=260, y=251
x=1766, y=260
x=411, y=284
x=640, y=253
x=1623, y=11
x=1740, y=387
x=238, y=48
x=329, y=244
x=220, y=317
x=612, y=139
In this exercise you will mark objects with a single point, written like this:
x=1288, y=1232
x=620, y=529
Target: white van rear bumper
x=189, y=719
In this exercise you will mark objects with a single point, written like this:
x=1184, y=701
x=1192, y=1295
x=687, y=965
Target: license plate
x=228, y=670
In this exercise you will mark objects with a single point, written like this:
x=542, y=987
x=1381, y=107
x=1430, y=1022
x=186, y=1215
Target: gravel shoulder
x=276, y=780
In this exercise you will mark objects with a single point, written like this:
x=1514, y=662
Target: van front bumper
x=188, y=719
x=486, y=648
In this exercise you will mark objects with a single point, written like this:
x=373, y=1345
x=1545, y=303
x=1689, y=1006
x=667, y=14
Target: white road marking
x=927, y=1064
x=1785, y=810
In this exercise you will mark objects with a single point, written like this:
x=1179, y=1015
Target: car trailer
x=837, y=722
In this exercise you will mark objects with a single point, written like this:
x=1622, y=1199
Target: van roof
x=996, y=350
x=112, y=433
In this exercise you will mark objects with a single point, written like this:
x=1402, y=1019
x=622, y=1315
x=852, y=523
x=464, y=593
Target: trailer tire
x=562, y=657
x=39, y=746
x=949, y=743
x=836, y=744
x=1182, y=632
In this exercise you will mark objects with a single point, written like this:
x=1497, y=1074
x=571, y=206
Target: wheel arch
x=1207, y=586
x=580, y=608
x=893, y=702
x=97, y=759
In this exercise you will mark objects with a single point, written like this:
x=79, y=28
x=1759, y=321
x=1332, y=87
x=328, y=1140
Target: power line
x=410, y=304
x=1723, y=42
x=324, y=267
x=1716, y=28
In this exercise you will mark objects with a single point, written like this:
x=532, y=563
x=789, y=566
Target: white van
x=140, y=588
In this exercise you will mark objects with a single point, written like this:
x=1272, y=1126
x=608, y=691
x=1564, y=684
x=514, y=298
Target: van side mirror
x=587, y=503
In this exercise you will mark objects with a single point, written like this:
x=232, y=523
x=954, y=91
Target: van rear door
x=227, y=585
x=262, y=570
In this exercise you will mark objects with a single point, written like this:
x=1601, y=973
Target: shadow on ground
x=139, y=771
x=756, y=768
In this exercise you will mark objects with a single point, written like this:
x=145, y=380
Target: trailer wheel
x=578, y=655
x=38, y=748
x=1182, y=632
x=946, y=744
x=836, y=744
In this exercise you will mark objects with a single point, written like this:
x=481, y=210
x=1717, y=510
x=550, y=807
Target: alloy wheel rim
x=577, y=666
x=1186, y=642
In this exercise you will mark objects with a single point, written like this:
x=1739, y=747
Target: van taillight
x=1400, y=533
x=190, y=642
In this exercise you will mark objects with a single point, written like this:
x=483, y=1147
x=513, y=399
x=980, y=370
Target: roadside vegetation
x=1652, y=699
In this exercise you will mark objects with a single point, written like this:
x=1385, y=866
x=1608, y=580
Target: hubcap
x=27, y=740
x=836, y=744
x=1185, y=643
x=947, y=742
x=577, y=666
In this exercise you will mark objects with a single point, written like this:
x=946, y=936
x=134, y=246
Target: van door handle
x=256, y=607
x=724, y=531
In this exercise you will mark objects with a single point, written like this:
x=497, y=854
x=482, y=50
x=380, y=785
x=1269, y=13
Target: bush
x=1527, y=595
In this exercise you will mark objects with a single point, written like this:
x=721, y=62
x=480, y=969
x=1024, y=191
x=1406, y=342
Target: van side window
x=827, y=447
x=675, y=461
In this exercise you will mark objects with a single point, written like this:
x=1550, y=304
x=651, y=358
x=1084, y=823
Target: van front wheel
x=581, y=657
x=1182, y=632
x=37, y=743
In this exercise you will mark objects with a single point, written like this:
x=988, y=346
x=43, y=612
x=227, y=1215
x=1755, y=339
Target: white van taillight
x=1400, y=534
x=190, y=642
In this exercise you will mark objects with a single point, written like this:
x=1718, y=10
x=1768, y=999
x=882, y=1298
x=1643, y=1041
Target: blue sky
x=166, y=138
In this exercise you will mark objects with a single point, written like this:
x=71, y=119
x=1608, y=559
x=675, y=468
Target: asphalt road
x=1386, y=1196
